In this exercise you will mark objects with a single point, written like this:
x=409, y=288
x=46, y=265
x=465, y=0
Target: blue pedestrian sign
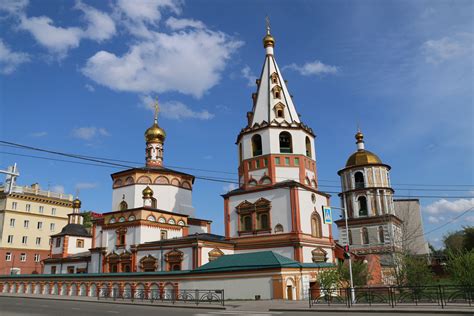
x=327, y=215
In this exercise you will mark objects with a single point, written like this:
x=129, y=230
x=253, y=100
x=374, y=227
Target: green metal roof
x=254, y=260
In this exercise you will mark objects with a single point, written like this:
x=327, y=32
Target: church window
x=171, y=221
x=174, y=259
x=162, y=220
x=148, y=264
x=381, y=235
x=308, y=147
x=263, y=222
x=181, y=223
x=112, y=221
x=58, y=242
x=280, y=113
x=163, y=235
x=365, y=236
x=285, y=143
x=257, y=163
x=247, y=223
x=265, y=162
x=121, y=219
x=316, y=229
x=274, y=78
x=287, y=161
x=123, y=206
x=151, y=218
x=278, y=228
x=80, y=243
x=359, y=180
x=362, y=206
x=131, y=218
x=277, y=94
x=153, y=202
x=256, y=145
x=277, y=160
x=297, y=161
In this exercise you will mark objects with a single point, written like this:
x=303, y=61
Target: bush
x=461, y=267
x=328, y=278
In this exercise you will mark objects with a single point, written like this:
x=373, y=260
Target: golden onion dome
x=268, y=40
x=147, y=192
x=155, y=133
x=362, y=157
x=76, y=203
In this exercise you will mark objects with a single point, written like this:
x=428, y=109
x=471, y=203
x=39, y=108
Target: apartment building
x=28, y=216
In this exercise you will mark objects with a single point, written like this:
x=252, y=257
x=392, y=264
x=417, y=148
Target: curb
x=117, y=302
x=399, y=311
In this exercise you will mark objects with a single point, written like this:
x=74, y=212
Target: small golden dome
x=147, y=193
x=76, y=203
x=268, y=40
x=359, y=136
x=362, y=157
x=155, y=133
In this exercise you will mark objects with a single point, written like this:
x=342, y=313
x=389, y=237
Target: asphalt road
x=35, y=307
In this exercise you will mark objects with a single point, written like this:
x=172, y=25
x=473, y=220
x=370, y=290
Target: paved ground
x=15, y=306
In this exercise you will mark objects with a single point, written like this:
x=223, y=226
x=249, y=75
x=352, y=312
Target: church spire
x=272, y=101
x=155, y=138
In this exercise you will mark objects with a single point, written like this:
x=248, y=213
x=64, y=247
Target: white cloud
x=444, y=206
x=249, y=76
x=229, y=187
x=59, y=40
x=176, y=110
x=435, y=219
x=13, y=6
x=39, y=134
x=85, y=185
x=179, y=24
x=57, y=189
x=10, y=60
x=313, y=68
x=189, y=62
x=89, y=87
x=100, y=25
x=88, y=133
x=447, y=48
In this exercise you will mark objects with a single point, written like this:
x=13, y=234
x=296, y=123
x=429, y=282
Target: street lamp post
x=351, y=280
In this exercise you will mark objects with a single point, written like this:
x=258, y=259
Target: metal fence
x=392, y=296
x=169, y=296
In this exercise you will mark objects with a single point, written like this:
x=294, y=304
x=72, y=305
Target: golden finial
x=157, y=110
x=268, y=40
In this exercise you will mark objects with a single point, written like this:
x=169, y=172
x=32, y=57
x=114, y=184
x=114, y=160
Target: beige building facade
x=28, y=216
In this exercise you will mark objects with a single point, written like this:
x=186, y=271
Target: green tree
x=360, y=273
x=410, y=270
x=468, y=242
x=453, y=242
x=87, y=220
x=328, y=278
x=461, y=267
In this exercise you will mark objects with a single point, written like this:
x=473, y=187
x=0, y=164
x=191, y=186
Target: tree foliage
x=328, y=278
x=360, y=273
x=87, y=216
x=410, y=270
x=461, y=267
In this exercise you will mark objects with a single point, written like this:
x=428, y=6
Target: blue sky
x=78, y=77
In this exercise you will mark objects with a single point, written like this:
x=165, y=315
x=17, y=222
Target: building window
x=80, y=243
x=24, y=240
x=256, y=145
x=359, y=180
x=52, y=227
x=247, y=223
x=58, y=242
x=41, y=209
x=278, y=228
x=70, y=269
x=258, y=211
x=163, y=234
x=365, y=236
x=12, y=222
x=37, y=257
x=8, y=256
x=174, y=259
x=263, y=222
x=26, y=223
x=277, y=160
x=350, y=237
x=38, y=241
x=10, y=239
x=285, y=143
x=381, y=235
x=22, y=257
x=148, y=264
x=40, y=225
x=257, y=163
x=316, y=228
x=28, y=207
x=308, y=147
x=53, y=270
x=265, y=162
x=297, y=161
x=362, y=206
x=123, y=206
x=53, y=211
x=287, y=161
x=14, y=205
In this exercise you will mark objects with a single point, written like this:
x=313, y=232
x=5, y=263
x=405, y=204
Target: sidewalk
x=117, y=301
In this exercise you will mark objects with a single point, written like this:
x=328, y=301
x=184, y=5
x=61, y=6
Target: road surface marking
x=76, y=308
x=113, y=312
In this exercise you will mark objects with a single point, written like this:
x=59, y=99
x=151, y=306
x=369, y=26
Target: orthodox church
x=152, y=225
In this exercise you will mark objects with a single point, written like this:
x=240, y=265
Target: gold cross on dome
x=157, y=109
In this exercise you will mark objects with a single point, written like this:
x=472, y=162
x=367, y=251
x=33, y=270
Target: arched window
x=280, y=113
x=285, y=143
x=256, y=145
x=365, y=236
x=278, y=228
x=350, y=237
x=308, y=147
x=264, y=221
x=153, y=202
x=359, y=180
x=316, y=229
x=247, y=221
x=362, y=206
x=123, y=206
x=381, y=235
